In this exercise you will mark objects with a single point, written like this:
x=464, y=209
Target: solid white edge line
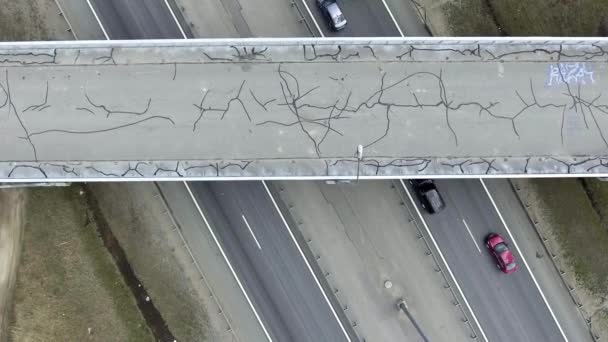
x=390, y=13
x=293, y=238
x=313, y=19
x=98, y=21
x=200, y=211
x=176, y=21
x=251, y=231
x=524, y=260
x=194, y=261
x=428, y=231
x=471, y=235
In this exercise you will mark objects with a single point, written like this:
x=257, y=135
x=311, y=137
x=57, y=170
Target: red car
x=500, y=250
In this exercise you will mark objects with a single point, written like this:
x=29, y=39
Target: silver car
x=333, y=13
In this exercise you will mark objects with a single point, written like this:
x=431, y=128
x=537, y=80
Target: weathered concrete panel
x=301, y=107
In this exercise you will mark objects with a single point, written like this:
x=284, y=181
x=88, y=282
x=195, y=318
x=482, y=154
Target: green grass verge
x=598, y=193
x=526, y=18
x=21, y=20
x=470, y=18
x=67, y=282
x=578, y=228
x=550, y=17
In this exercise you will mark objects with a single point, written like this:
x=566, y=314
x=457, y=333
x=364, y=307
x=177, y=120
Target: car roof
x=333, y=9
x=507, y=257
x=434, y=199
x=495, y=239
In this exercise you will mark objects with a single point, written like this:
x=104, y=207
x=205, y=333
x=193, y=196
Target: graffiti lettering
x=571, y=73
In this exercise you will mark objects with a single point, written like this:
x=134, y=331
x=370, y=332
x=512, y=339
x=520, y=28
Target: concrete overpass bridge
x=303, y=108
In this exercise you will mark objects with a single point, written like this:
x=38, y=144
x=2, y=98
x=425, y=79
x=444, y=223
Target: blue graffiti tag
x=572, y=73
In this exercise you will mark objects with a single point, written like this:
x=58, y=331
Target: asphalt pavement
x=365, y=19
x=508, y=307
x=243, y=216
x=136, y=19
x=263, y=253
x=545, y=272
x=363, y=236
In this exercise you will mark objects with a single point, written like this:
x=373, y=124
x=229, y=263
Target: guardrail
x=422, y=14
x=62, y=14
x=438, y=268
x=302, y=18
x=554, y=256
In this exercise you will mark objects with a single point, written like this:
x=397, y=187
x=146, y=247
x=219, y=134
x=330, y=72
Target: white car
x=333, y=13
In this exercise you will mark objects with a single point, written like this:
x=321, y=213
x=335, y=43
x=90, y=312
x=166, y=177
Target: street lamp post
x=402, y=305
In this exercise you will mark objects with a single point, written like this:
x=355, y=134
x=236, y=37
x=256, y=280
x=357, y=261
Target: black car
x=430, y=198
x=332, y=13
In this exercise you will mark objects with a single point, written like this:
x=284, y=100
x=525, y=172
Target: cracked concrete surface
x=301, y=107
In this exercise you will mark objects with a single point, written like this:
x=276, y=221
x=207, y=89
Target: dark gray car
x=332, y=13
x=429, y=197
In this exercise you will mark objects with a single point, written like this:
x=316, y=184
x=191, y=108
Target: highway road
x=136, y=19
x=288, y=300
x=508, y=307
x=365, y=19
x=261, y=249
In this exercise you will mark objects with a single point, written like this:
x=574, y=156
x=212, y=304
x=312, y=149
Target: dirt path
x=11, y=231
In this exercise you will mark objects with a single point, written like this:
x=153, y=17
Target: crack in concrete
x=590, y=105
x=338, y=79
x=371, y=49
x=328, y=123
x=105, y=59
x=376, y=98
x=43, y=105
x=570, y=165
x=176, y=170
x=106, y=174
x=292, y=95
x=222, y=59
x=7, y=58
x=113, y=128
x=443, y=101
x=11, y=105
x=587, y=55
x=215, y=167
x=249, y=55
x=369, y=167
x=460, y=165
x=392, y=102
x=37, y=168
x=527, y=105
x=316, y=56
x=399, y=163
x=110, y=111
x=240, y=166
x=134, y=169
x=602, y=163
x=526, y=166
x=262, y=104
x=86, y=110
x=202, y=110
x=463, y=52
x=77, y=57
x=489, y=163
x=67, y=169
